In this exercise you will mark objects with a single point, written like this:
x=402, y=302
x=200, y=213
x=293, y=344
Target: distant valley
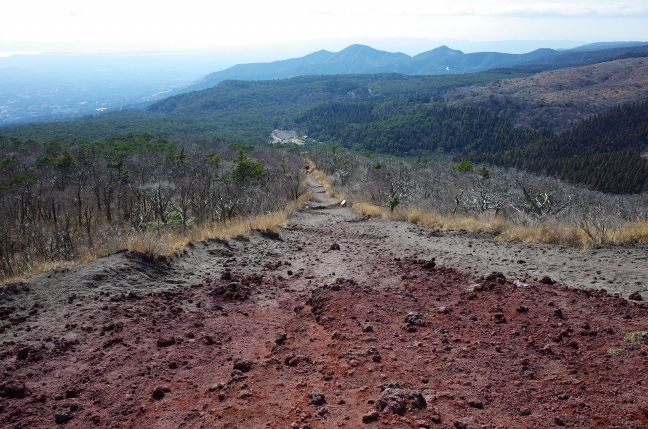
x=578, y=114
x=55, y=87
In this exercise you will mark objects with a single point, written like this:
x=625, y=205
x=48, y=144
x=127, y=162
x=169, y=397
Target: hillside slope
x=604, y=152
x=560, y=99
x=247, y=112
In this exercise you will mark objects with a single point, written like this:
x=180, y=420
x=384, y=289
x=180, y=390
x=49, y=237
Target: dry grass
x=172, y=243
x=551, y=233
x=634, y=337
x=632, y=232
x=547, y=233
x=156, y=244
x=368, y=209
x=431, y=219
x=466, y=223
x=322, y=177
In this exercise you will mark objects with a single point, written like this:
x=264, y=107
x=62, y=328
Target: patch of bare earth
x=344, y=322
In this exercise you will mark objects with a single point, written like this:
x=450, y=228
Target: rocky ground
x=341, y=322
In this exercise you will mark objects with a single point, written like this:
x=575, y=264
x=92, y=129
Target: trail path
x=104, y=336
x=617, y=269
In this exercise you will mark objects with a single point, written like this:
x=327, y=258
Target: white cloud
x=569, y=9
x=479, y=8
x=197, y=24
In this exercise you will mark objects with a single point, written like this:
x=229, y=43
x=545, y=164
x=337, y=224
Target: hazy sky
x=116, y=25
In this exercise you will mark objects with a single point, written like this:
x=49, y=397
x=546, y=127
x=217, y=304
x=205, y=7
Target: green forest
x=604, y=152
x=386, y=113
x=248, y=111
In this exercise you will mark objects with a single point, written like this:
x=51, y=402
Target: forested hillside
x=247, y=112
x=401, y=115
x=559, y=99
x=403, y=129
x=603, y=152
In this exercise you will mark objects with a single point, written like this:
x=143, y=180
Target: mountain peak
x=445, y=48
x=441, y=52
x=361, y=50
x=358, y=47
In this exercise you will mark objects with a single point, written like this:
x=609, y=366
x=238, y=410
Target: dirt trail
x=123, y=342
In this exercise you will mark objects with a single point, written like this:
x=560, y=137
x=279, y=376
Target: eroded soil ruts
x=345, y=322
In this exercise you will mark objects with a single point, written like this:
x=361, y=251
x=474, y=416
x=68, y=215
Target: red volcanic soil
x=294, y=333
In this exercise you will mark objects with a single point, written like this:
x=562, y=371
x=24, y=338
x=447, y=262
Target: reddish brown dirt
x=128, y=343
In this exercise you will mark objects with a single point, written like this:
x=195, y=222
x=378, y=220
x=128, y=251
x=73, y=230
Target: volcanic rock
x=61, y=417
x=22, y=353
x=242, y=365
x=547, y=280
x=370, y=417
x=165, y=342
x=499, y=318
x=496, y=277
x=71, y=393
x=158, y=393
x=635, y=296
x=414, y=318
x=396, y=399
x=281, y=338
x=13, y=389
x=430, y=265
x=317, y=398
x=476, y=404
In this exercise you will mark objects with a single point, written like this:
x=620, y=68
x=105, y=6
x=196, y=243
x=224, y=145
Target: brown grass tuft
x=547, y=233
x=368, y=209
x=457, y=222
x=551, y=233
x=632, y=232
x=172, y=243
x=166, y=243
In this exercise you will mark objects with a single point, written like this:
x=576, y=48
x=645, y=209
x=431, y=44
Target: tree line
x=60, y=201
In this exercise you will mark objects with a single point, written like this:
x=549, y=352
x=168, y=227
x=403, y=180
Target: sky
x=192, y=25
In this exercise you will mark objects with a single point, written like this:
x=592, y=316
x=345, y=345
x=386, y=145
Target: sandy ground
x=197, y=341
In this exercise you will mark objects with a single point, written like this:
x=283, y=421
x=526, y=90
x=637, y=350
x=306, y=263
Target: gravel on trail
x=344, y=321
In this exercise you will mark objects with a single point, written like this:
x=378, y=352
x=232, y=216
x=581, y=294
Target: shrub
x=465, y=166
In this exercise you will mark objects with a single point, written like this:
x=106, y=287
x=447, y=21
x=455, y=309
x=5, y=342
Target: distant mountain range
x=421, y=110
x=361, y=59
x=54, y=87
